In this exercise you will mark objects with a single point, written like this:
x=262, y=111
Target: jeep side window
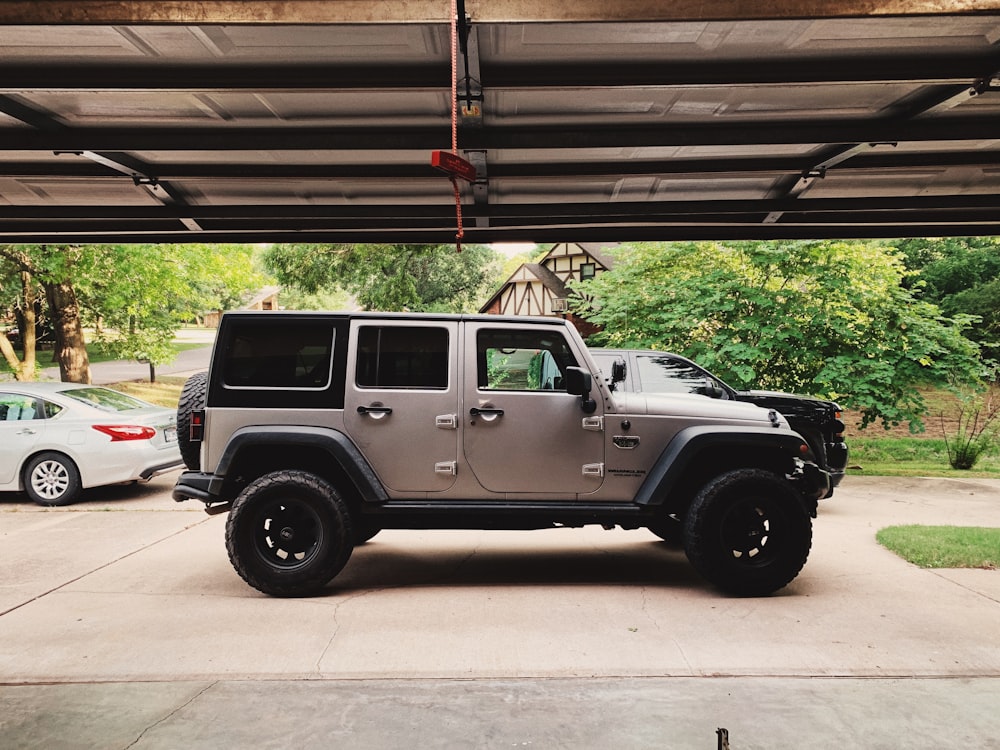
x=522, y=360
x=402, y=357
x=280, y=355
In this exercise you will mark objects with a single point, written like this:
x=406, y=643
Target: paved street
x=187, y=361
x=122, y=624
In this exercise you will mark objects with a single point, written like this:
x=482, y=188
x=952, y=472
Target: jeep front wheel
x=289, y=533
x=747, y=532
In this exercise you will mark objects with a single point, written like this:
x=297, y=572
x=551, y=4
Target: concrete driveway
x=122, y=624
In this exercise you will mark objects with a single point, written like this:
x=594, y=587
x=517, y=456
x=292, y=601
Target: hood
x=693, y=405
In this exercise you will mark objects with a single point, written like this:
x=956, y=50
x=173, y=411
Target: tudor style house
x=543, y=288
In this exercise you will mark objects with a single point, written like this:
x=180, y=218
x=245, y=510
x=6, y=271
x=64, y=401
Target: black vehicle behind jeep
x=818, y=421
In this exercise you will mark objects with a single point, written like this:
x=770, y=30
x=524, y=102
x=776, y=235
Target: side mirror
x=579, y=383
x=619, y=371
x=710, y=389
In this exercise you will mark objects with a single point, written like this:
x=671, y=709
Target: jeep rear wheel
x=289, y=533
x=747, y=532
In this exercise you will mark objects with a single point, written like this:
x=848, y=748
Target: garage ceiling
x=315, y=121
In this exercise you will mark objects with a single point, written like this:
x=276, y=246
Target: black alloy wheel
x=748, y=532
x=289, y=533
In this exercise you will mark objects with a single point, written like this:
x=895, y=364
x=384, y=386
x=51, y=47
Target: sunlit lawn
x=912, y=457
x=944, y=546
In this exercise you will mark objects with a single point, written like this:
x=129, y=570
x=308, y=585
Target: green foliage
x=419, y=278
x=943, y=546
x=962, y=276
x=828, y=318
x=975, y=434
x=137, y=295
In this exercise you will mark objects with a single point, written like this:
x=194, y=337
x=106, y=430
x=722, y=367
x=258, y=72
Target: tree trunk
x=71, y=350
x=24, y=369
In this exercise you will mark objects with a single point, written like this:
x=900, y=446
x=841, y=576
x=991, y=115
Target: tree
x=420, y=278
x=134, y=295
x=828, y=318
x=962, y=276
x=20, y=292
x=138, y=295
x=53, y=267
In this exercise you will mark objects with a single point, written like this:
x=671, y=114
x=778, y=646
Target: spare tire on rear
x=192, y=398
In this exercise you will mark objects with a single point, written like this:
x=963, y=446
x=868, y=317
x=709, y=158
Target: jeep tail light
x=121, y=432
x=196, y=430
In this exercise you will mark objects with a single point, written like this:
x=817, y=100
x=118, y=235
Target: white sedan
x=58, y=438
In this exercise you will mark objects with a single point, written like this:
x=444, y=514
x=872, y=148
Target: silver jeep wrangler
x=317, y=430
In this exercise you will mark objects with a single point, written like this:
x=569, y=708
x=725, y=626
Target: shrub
x=976, y=429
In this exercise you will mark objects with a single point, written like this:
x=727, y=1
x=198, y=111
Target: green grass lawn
x=944, y=546
x=912, y=457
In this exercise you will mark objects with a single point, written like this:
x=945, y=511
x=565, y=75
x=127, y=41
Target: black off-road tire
x=192, y=397
x=289, y=533
x=50, y=478
x=747, y=532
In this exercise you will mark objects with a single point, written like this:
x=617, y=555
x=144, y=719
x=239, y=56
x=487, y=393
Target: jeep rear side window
x=522, y=360
x=402, y=357
x=280, y=355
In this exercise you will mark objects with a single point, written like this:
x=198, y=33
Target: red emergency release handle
x=454, y=165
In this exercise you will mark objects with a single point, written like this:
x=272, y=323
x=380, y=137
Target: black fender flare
x=340, y=448
x=692, y=442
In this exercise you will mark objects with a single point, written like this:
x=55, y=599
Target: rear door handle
x=488, y=415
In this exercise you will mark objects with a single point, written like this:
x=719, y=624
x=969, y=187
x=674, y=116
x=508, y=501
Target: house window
x=588, y=271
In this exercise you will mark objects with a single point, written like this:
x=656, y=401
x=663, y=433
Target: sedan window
x=18, y=407
x=104, y=398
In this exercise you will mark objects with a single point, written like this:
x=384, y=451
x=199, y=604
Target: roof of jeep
x=396, y=316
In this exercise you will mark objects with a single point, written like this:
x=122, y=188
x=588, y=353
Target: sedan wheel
x=52, y=479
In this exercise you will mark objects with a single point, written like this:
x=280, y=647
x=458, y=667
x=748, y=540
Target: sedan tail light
x=119, y=432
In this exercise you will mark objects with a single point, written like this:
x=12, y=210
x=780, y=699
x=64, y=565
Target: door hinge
x=446, y=468
x=594, y=424
x=593, y=470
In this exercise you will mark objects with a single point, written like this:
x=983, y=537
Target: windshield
x=105, y=398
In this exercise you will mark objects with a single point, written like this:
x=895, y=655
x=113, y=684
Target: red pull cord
x=454, y=121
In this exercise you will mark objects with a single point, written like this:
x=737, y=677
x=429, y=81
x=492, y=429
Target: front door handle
x=375, y=412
